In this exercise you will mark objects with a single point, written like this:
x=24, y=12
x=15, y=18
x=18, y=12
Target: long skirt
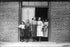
x=34, y=30
x=27, y=34
x=45, y=31
x=22, y=32
x=39, y=31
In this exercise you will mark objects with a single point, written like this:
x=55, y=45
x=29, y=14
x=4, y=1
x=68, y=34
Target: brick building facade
x=59, y=20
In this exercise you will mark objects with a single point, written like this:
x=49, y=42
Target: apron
x=46, y=29
x=39, y=28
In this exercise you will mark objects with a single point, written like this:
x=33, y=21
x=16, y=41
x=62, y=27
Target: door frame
x=20, y=18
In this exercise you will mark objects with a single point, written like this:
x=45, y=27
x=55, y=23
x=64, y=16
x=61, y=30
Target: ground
x=33, y=44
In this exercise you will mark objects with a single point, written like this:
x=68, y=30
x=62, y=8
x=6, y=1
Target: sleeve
x=19, y=26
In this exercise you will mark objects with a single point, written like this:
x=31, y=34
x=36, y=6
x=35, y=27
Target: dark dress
x=34, y=30
x=27, y=33
x=21, y=32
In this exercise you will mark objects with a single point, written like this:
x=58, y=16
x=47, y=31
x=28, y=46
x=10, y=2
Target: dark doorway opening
x=43, y=13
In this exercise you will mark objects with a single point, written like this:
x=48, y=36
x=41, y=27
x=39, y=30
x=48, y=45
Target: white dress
x=46, y=29
x=22, y=26
x=39, y=28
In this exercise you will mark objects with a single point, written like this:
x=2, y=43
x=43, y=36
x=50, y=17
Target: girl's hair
x=46, y=20
x=32, y=18
x=23, y=22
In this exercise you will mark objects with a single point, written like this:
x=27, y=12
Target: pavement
x=33, y=44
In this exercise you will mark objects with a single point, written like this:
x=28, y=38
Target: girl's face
x=22, y=22
x=46, y=20
x=34, y=18
x=39, y=18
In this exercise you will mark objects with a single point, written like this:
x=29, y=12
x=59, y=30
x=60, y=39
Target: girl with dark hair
x=39, y=28
x=34, y=28
x=27, y=34
x=22, y=30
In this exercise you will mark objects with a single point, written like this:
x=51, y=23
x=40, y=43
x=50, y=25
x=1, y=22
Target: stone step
x=33, y=44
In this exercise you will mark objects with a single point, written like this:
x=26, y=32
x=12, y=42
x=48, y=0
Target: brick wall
x=9, y=21
x=60, y=21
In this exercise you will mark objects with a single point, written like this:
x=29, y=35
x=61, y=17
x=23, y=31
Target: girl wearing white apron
x=46, y=28
x=39, y=28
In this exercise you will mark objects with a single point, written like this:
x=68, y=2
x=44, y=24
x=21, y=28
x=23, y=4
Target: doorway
x=43, y=14
x=28, y=13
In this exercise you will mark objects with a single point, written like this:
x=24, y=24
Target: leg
x=39, y=39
